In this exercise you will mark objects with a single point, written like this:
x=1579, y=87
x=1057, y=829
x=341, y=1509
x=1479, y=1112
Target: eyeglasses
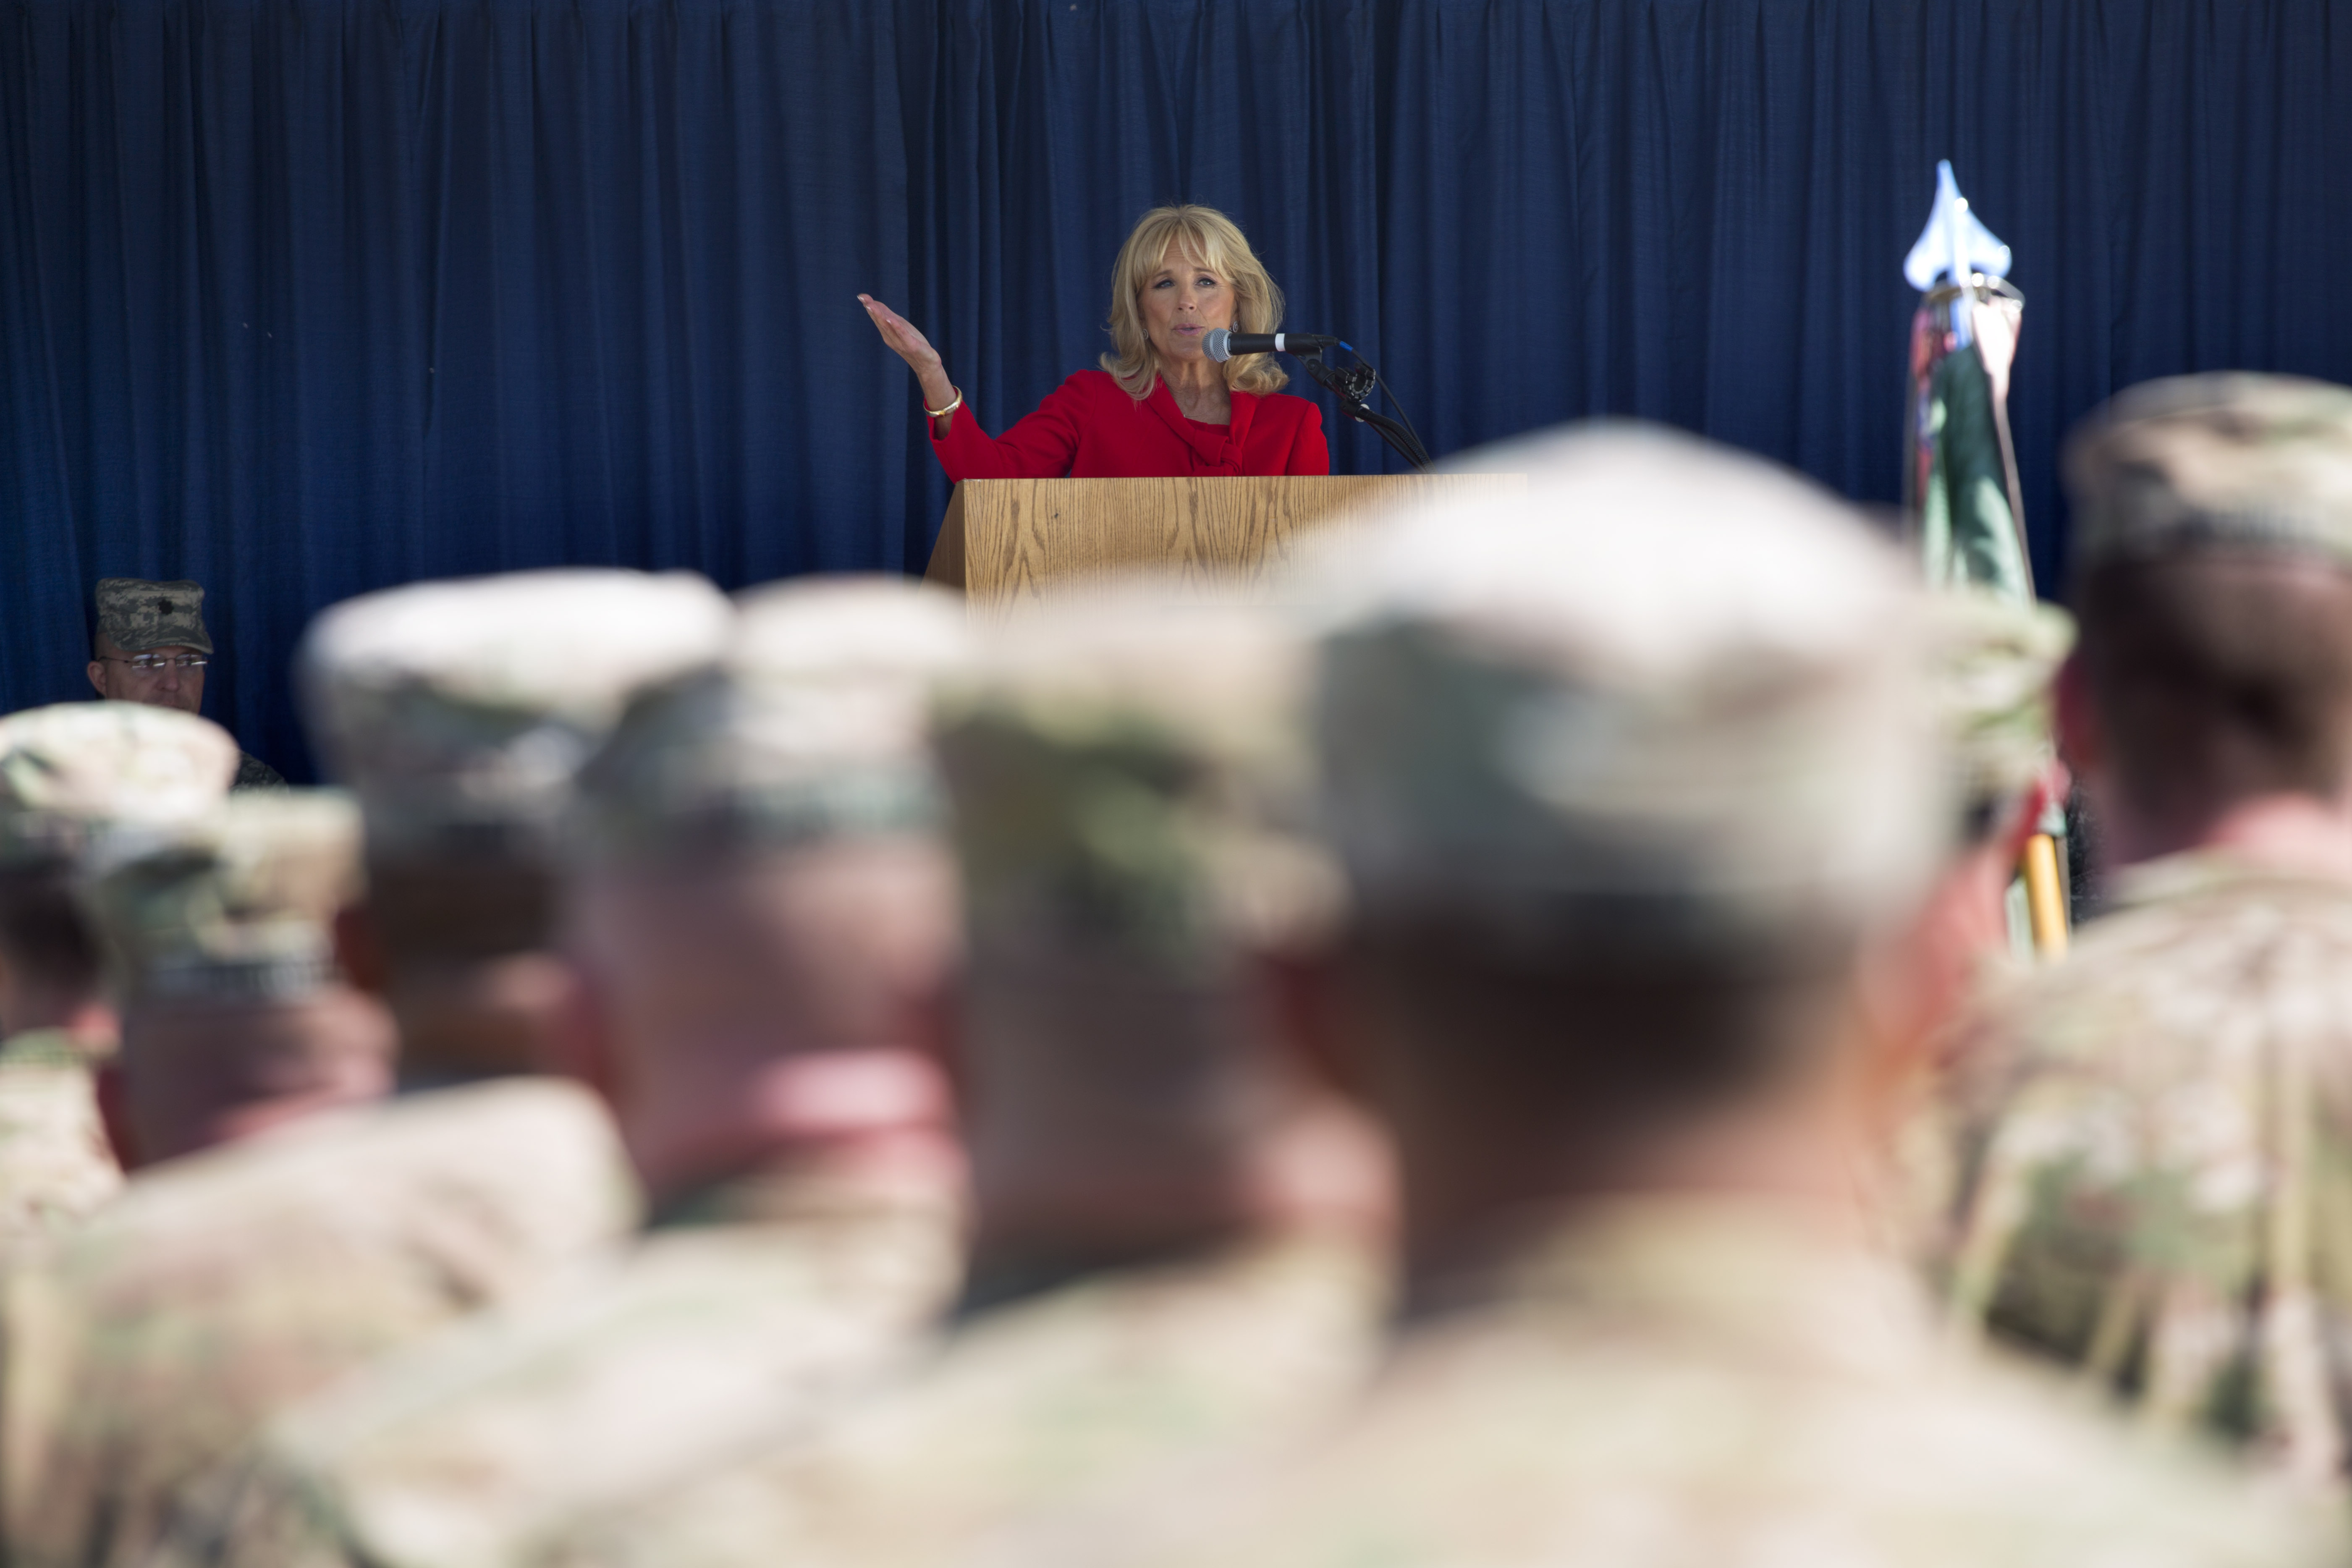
x=156, y=663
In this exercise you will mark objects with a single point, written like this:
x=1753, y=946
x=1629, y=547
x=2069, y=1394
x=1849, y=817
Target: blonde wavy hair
x=1219, y=245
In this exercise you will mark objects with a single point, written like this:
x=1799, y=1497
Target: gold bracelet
x=953, y=403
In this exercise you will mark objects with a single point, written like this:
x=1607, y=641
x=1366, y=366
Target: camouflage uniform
x=67, y=772
x=1118, y=775
x=146, y=1345
x=1073, y=1395
x=1991, y=662
x=756, y=1301
x=252, y=772
x=1667, y=1384
x=237, y=905
x=138, y=616
x=2153, y=1135
x=1574, y=732
x=747, y=1304
x=55, y=1165
x=230, y=1284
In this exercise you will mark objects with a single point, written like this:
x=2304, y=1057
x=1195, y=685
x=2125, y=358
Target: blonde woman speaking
x=1160, y=405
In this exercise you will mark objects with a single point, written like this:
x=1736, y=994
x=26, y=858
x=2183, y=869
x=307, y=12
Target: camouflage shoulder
x=545, y=1143
x=2156, y=966
x=55, y=1168
x=2129, y=1199
x=1074, y=1394
x=1668, y=1463
x=617, y=1383
x=49, y=1048
x=531, y=1157
x=250, y=1509
x=2162, y=997
x=148, y=1345
x=252, y=772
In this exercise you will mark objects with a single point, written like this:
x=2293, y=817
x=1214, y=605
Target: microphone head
x=1217, y=343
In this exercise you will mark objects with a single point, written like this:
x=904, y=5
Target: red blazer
x=1089, y=428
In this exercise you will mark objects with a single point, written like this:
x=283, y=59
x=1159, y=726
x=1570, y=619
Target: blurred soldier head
x=761, y=908
x=1991, y=665
x=65, y=774
x=1128, y=780
x=458, y=715
x=151, y=645
x=236, y=1018
x=1627, y=776
x=2211, y=700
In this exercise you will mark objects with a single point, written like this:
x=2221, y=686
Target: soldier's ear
x=1914, y=981
x=1302, y=992
x=2081, y=739
x=2049, y=788
x=114, y=1114
x=359, y=948
x=96, y=670
x=937, y=1026
x=579, y=1042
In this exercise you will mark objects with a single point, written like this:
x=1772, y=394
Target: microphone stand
x=1353, y=386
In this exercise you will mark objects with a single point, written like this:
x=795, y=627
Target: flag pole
x=1960, y=483
x=2045, y=898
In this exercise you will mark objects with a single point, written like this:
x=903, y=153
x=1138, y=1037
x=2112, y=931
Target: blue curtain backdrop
x=304, y=297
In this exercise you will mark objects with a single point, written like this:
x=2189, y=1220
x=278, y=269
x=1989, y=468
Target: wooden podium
x=1008, y=544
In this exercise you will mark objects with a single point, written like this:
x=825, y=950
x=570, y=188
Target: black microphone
x=1222, y=344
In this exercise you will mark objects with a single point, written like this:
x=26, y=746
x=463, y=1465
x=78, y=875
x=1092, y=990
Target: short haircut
x=1625, y=1034
x=2219, y=675
x=43, y=932
x=1222, y=248
x=439, y=910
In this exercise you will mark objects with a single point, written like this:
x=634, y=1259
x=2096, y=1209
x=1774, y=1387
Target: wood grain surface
x=1009, y=543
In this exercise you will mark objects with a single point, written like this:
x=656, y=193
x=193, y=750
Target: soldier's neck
x=854, y=1186
x=199, y=1074
x=27, y=1008
x=429, y=1077
x=869, y=1118
x=1004, y=1269
x=2292, y=832
x=1103, y=1215
x=1472, y=1201
x=461, y=1028
x=1319, y=1174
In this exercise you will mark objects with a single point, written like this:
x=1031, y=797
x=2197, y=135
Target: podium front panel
x=1010, y=543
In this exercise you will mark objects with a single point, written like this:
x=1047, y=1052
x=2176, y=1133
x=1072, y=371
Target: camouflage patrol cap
x=458, y=712
x=1669, y=697
x=1131, y=771
x=238, y=904
x=2236, y=459
x=69, y=769
x=1991, y=661
x=812, y=727
x=136, y=614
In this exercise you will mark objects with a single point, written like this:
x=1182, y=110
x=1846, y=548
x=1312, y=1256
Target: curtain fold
x=301, y=298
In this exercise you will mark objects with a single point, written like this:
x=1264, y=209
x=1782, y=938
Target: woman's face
x=1181, y=302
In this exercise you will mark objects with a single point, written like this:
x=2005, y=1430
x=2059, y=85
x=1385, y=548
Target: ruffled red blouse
x=1089, y=428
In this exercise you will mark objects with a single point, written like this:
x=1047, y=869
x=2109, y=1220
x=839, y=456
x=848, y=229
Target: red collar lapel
x=1213, y=446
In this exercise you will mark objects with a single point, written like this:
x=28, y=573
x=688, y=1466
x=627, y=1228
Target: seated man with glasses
x=151, y=647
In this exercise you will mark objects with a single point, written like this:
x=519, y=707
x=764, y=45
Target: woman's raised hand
x=908, y=344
